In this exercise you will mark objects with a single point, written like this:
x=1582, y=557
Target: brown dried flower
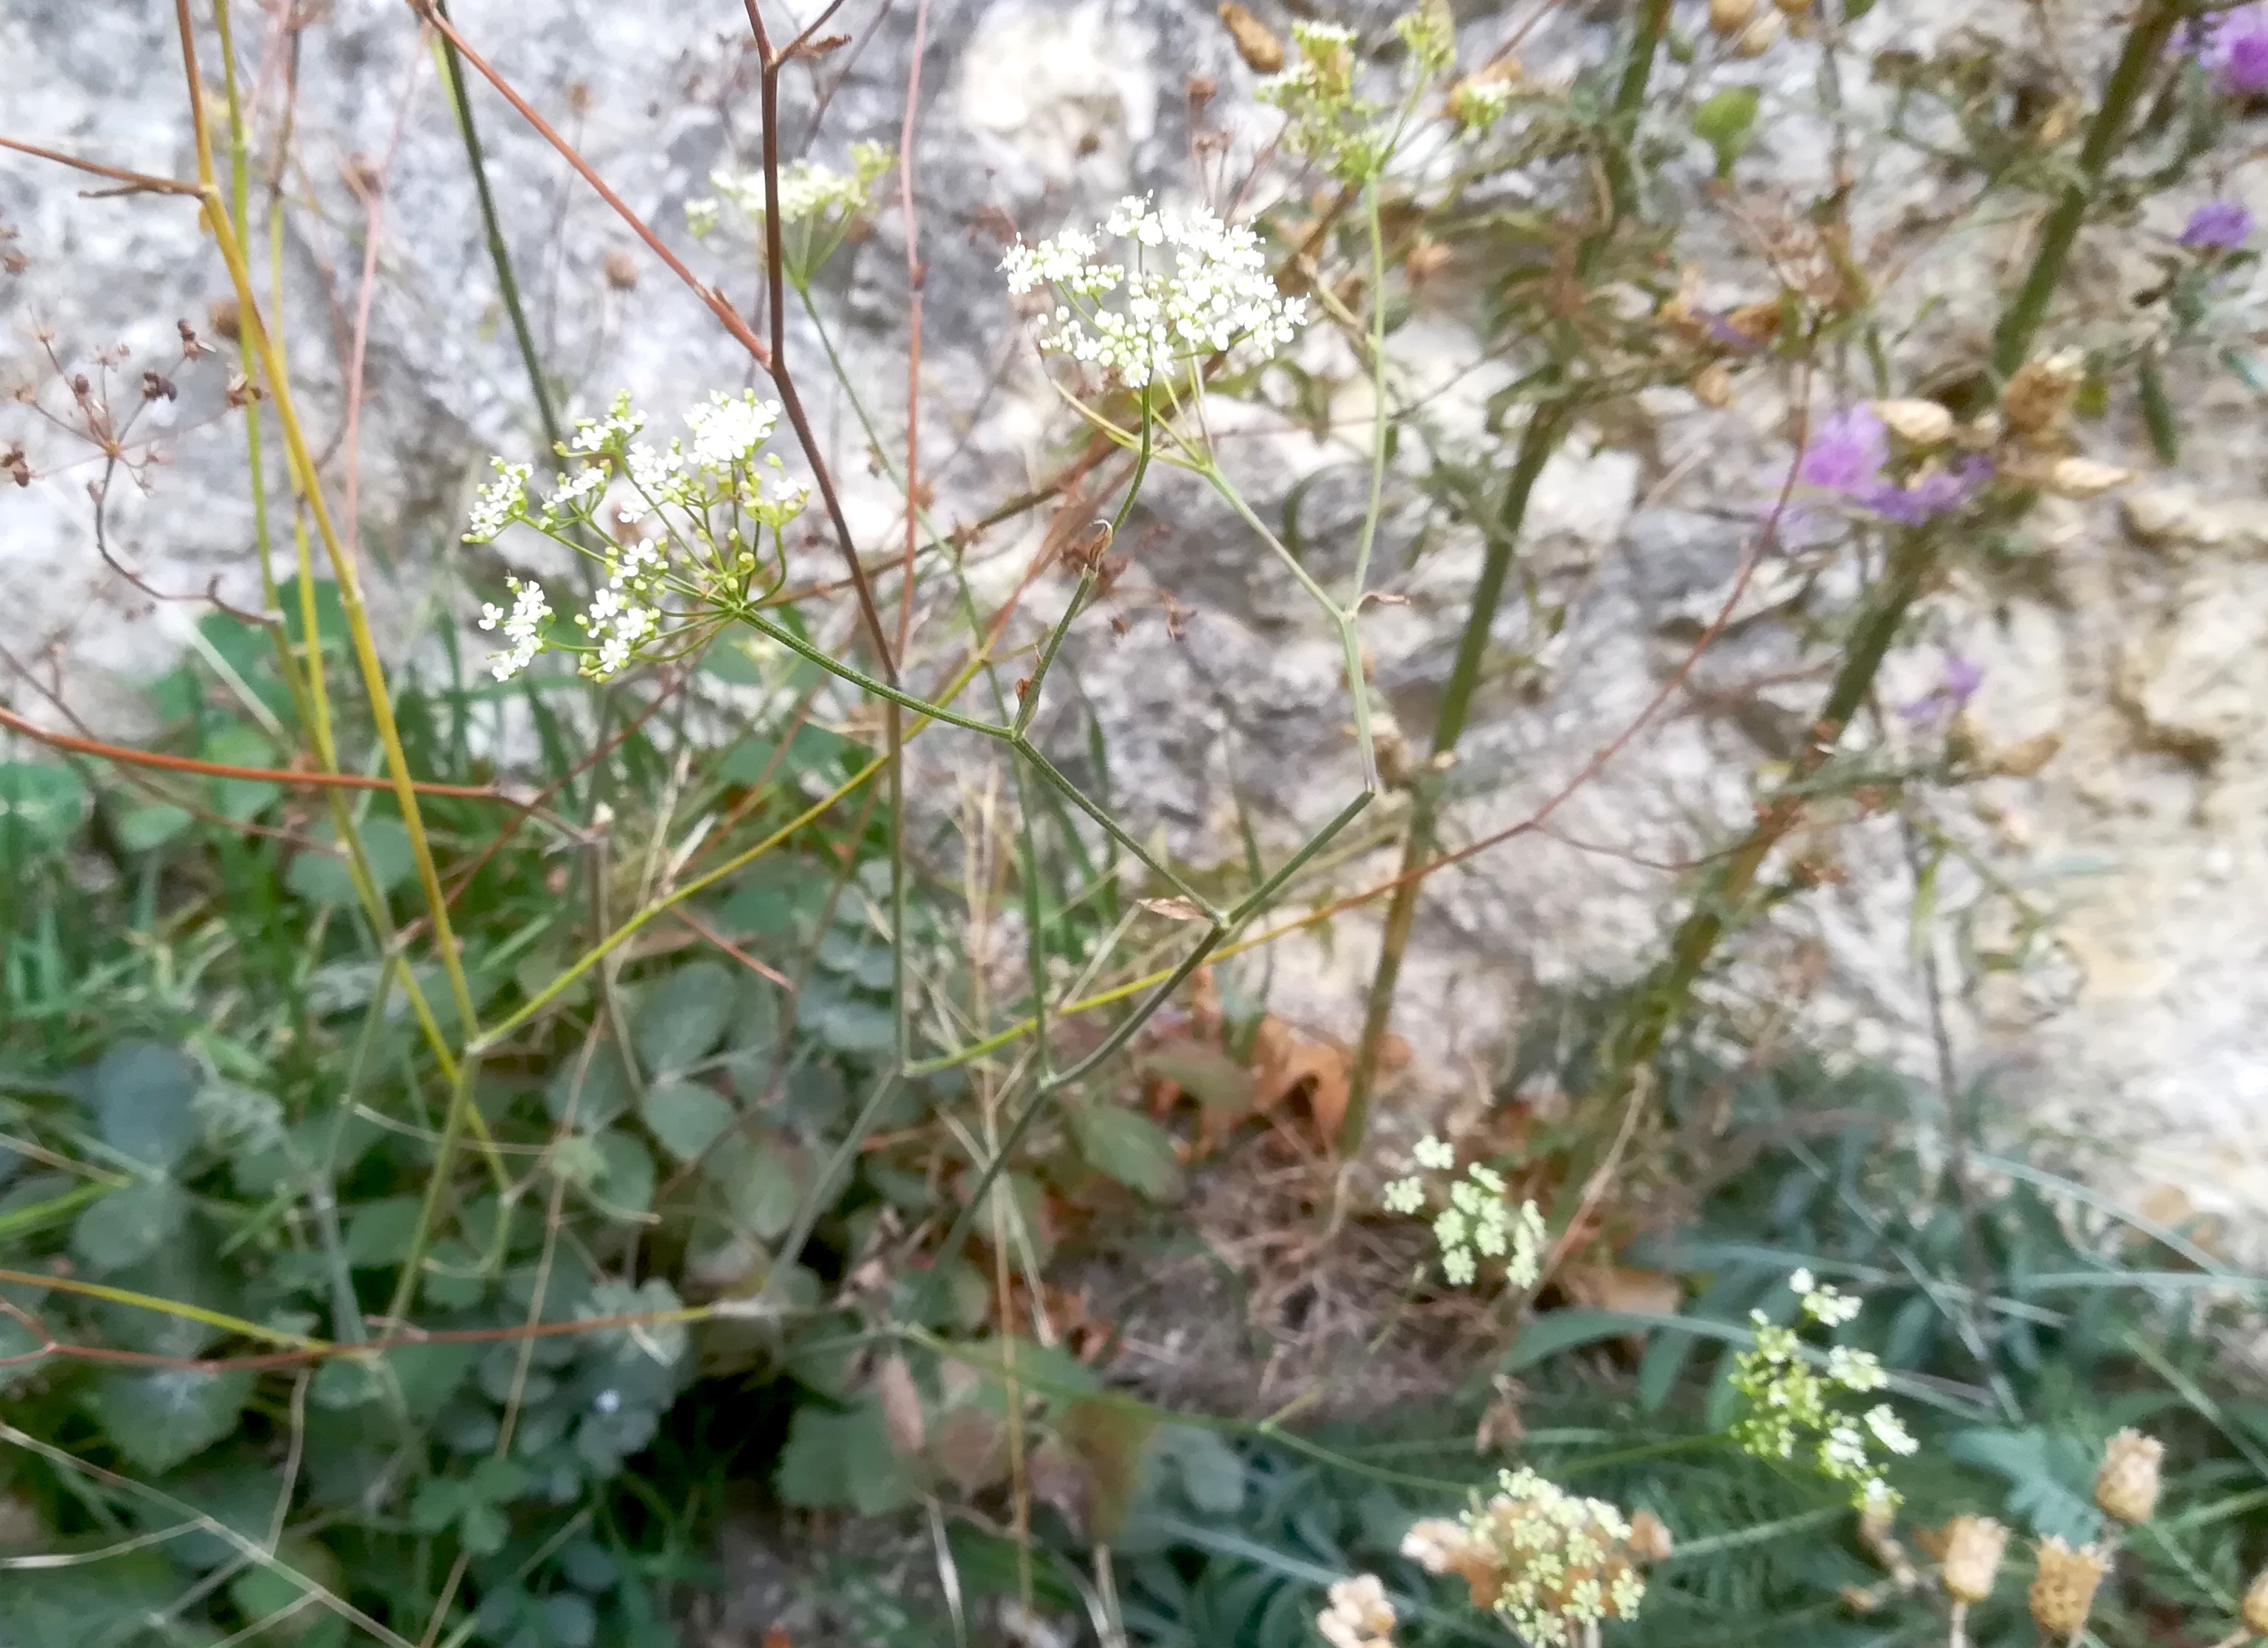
x=1973, y=1545
x=1255, y=42
x=2041, y=392
x=1760, y=35
x=1917, y=423
x=2063, y=1591
x=1730, y=17
x=2254, y=1609
x=2126, y=1487
x=1650, y=1540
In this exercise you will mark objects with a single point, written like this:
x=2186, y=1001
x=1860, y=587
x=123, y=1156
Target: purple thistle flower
x=1846, y=452
x=2236, y=50
x=2218, y=225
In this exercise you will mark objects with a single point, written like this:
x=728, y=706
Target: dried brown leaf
x=902, y=1407
x=1255, y=42
x=1174, y=908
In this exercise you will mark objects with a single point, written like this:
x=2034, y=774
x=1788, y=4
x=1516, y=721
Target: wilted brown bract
x=1255, y=42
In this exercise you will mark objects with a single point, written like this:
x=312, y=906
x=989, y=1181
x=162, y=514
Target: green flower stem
x=2147, y=36
x=1546, y=426
x=1537, y=442
x=453, y=72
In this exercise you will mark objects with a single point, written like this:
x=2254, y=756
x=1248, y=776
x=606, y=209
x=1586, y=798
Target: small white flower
x=1802, y=1281
x=1855, y=1370
x=1890, y=1430
x=522, y=626
x=1435, y=1153
x=1458, y=1267
x=1404, y=1195
x=502, y=501
x=727, y=432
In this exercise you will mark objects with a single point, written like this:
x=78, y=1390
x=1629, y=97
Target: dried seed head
x=621, y=271
x=223, y=317
x=1650, y=1539
x=2041, y=392
x=1427, y=258
x=2126, y=1487
x=1973, y=1545
x=1916, y=422
x=2254, y=1609
x=2084, y=478
x=1730, y=17
x=1760, y=35
x=2065, y=1589
x=1255, y=42
x=1712, y=385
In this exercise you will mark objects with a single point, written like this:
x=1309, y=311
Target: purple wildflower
x=1959, y=684
x=1931, y=496
x=2236, y=50
x=2218, y=225
x=1846, y=452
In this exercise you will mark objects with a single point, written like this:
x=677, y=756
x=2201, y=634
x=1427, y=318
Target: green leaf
x=842, y=1461
x=567, y=1620
x=594, y=1091
x=157, y=1418
x=755, y=1173
x=40, y=806
x=130, y=1224
x=240, y=744
x=260, y=1591
x=686, y=1117
x=857, y=1026
x=685, y=1015
x=2050, y=1476
x=1217, y=1082
x=379, y=1232
x=482, y=1530
x=142, y=825
x=1211, y=1472
x=626, y=1186
x=142, y=1095
x=1130, y=1147
x=323, y=878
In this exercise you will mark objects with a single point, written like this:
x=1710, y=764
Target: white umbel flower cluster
x=1216, y=297
x=501, y=501
x=809, y=193
x=1479, y=1220
x=690, y=528
x=1553, y=1565
x=1791, y=1406
x=522, y=626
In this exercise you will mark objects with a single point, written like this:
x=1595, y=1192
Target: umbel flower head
x=1789, y=1406
x=692, y=522
x=1479, y=1220
x=1552, y=1563
x=1139, y=320
x=817, y=206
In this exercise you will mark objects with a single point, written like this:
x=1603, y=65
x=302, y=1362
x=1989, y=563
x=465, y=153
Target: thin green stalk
x=1537, y=442
x=2147, y=36
x=1546, y=426
x=453, y=71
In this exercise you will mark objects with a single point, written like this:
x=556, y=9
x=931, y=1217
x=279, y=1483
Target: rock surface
x=2125, y=692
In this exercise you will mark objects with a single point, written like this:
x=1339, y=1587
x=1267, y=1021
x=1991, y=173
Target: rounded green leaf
x=142, y=1095
x=1130, y=1148
x=142, y=825
x=686, y=1117
x=593, y=1092
x=40, y=806
x=157, y=1418
x=321, y=876
x=626, y=1186
x=129, y=1225
x=685, y=1015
